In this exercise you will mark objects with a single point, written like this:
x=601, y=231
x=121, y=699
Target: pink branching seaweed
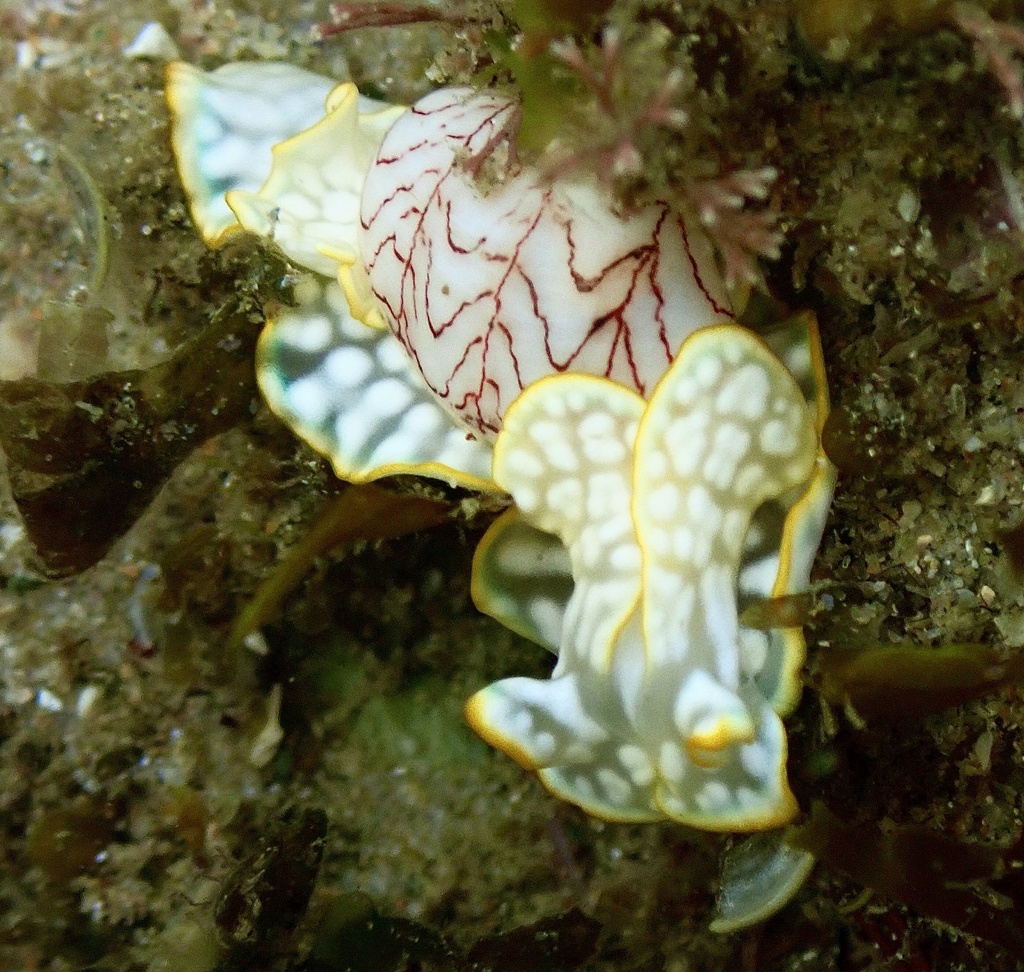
x=740, y=235
x=620, y=156
x=351, y=16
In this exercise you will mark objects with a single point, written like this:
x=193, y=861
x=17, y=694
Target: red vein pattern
x=492, y=283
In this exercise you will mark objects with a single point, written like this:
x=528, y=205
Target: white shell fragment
x=152, y=42
x=654, y=708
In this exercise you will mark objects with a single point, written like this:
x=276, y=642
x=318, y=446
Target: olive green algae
x=168, y=803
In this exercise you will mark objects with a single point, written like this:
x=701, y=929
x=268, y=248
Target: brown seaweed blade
x=86, y=457
x=976, y=888
x=360, y=512
x=887, y=683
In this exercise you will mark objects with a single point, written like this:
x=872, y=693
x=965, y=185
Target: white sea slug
x=467, y=320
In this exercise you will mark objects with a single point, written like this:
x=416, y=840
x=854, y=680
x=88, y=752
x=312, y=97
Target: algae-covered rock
x=86, y=457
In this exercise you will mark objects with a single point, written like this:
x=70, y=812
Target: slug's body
x=465, y=320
